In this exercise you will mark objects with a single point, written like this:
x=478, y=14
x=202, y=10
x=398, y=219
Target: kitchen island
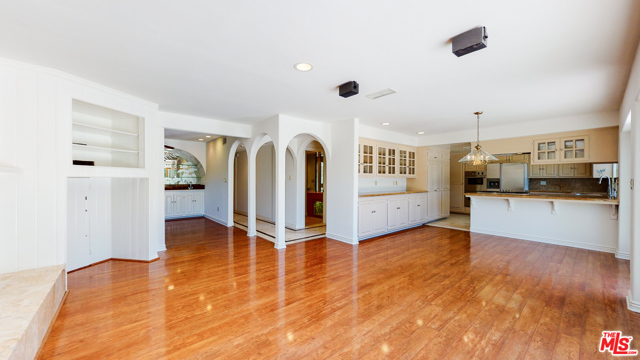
x=587, y=221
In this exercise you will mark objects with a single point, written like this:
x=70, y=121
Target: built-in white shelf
x=111, y=138
x=5, y=169
x=103, y=149
x=104, y=129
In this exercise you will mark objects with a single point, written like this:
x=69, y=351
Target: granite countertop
x=183, y=187
x=392, y=193
x=590, y=197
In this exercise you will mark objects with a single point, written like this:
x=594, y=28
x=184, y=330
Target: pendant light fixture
x=478, y=156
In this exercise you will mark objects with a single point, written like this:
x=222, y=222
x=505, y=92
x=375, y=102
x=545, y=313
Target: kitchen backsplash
x=568, y=185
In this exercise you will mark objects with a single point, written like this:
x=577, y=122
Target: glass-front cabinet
x=385, y=159
x=382, y=160
x=575, y=149
x=545, y=151
x=391, y=161
x=402, y=162
x=366, y=159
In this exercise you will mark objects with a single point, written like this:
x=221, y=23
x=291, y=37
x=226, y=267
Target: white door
x=78, y=242
x=435, y=199
x=380, y=217
x=198, y=203
x=168, y=205
x=446, y=201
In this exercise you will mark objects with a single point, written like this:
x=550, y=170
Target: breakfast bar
x=587, y=221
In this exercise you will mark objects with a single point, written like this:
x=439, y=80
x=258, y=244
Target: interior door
x=78, y=242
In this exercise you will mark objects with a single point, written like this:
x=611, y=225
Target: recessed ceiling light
x=303, y=66
x=384, y=124
x=420, y=132
x=200, y=139
x=208, y=135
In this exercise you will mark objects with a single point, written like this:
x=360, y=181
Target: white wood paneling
x=78, y=241
x=8, y=222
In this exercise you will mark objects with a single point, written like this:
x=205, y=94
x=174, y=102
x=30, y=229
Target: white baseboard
x=390, y=232
x=219, y=221
x=162, y=247
x=632, y=304
x=183, y=216
x=623, y=255
x=341, y=238
x=546, y=240
x=280, y=246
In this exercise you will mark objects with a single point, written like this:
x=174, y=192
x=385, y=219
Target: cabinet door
x=468, y=167
x=198, y=204
x=422, y=209
x=403, y=162
x=446, y=155
x=188, y=204
x=414, y=210
x=368, y=161
x=545, y=151
x=583, y=170
x=178, y=205
x=502, y=159
x=392, y=159
x=392, y=221
x=565, y=170
x=411, y=163
x=445, y=202
x=445, y=176
x=402, y=212
x=575, y=149
x=434, y=154
x=379, y=217
x=381, y=160
x=550, y=170
x=434, y=179
x=519, y=158
x=366, y=215
x=435, y=199
x=168, y=205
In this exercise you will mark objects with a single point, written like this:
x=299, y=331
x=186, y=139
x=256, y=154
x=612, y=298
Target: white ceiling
x=234, y=60
x=188, y=135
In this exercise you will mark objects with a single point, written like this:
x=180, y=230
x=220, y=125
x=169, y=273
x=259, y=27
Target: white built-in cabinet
x=577, y=170
x=376, y=158
x=379, y=215
x=183, y=203
x=438, y=182
x=107, y=137
x=569, y=149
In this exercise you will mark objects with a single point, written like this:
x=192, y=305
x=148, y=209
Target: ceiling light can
x=303, y=66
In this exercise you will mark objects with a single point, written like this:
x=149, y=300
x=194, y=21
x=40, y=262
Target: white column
x=281, y=152
x=301, y=188
x=251, y=192
x=624, y=195
x=633, y=299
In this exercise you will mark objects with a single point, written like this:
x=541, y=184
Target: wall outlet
x=542, y=182
x=225, y=179
x=376, y=182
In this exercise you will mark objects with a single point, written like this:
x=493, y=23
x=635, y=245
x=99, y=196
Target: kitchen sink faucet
x=609, y=187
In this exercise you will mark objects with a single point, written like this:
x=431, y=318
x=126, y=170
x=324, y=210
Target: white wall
x=542, y=126
x=265, y=183
x=374, y=133
x=35, y=117
x=242, y=165
x=291, y=191
x=374, y=184
x=195, y=148
x=130, y=218
x=216, y=190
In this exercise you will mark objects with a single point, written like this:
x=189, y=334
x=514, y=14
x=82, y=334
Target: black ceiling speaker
x=349, y=89
x=469, y=41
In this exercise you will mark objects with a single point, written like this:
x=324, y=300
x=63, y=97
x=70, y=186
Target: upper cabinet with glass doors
x=573, y=149
x=385, y=159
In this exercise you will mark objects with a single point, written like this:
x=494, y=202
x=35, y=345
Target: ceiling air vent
x=381, y=93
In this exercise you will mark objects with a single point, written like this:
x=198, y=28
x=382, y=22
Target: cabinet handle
x=397, y=208
x=418, y=205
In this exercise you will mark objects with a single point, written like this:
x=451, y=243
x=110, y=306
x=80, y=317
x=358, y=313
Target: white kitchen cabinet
x=574, y=149
x=397, y=212
x=445, y=204
x=445, y=176
x=418, y=212
x=381, y=160
x=582, y=170
x=379, y=215
x=372, y=217
x=183, y=203
x=457, y=198
x=435, y=205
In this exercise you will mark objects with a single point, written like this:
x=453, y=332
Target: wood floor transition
x=424, y=293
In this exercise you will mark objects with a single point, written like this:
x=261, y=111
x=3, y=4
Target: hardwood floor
x=425, y=293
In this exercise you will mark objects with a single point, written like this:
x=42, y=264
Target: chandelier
x=478, y=156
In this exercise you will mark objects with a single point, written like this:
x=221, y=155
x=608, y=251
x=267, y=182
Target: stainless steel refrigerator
x=514, y=177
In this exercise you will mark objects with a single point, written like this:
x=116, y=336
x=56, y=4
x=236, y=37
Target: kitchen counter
x=184, y=187
x=392, y=193
x=583, y=221
x=593, y=197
